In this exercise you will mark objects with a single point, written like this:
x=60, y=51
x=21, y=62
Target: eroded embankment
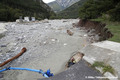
x=96, y=28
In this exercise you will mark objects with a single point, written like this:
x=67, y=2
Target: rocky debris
x=45, y=21
x=60, y=28
x=50, y=41
x=70, y=32
x=74, y=25
x=19, y=20
x=64, y=21
x=93, y=37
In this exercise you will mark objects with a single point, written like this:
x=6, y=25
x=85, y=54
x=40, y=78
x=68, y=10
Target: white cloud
x=47, y=1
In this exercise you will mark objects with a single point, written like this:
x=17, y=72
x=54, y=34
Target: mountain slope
x=72, y=11
x=10, y=10
x=55, y=6
x=59, y=5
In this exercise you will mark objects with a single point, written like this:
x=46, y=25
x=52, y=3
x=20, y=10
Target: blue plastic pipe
x=27, y=69
x=3, y=70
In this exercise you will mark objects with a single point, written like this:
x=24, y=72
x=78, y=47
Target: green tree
x=115, y=13
x=95, y=8
x=3, y=14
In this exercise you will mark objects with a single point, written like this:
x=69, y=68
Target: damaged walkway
x=105, y=51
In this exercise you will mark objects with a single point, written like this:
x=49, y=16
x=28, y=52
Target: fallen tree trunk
x=15, y=57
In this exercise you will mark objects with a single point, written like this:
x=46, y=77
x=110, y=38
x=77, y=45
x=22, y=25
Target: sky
x=47, y=1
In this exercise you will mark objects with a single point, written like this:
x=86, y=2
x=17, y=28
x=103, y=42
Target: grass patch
x=105, y=67
x=114, y=27
x=98, y=64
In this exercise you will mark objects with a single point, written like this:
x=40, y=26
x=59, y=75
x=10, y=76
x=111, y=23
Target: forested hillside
x=72, y=11
x=96, y=8
x=10, y=10
x=59, y=5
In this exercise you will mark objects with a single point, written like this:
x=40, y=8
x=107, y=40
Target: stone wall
x=96, y=27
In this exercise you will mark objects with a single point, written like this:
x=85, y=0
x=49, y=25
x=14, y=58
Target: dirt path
x=48, y=46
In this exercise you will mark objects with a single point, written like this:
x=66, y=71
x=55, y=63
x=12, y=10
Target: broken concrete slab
x=105, y=51
x=108, y=45
x=79, y=71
